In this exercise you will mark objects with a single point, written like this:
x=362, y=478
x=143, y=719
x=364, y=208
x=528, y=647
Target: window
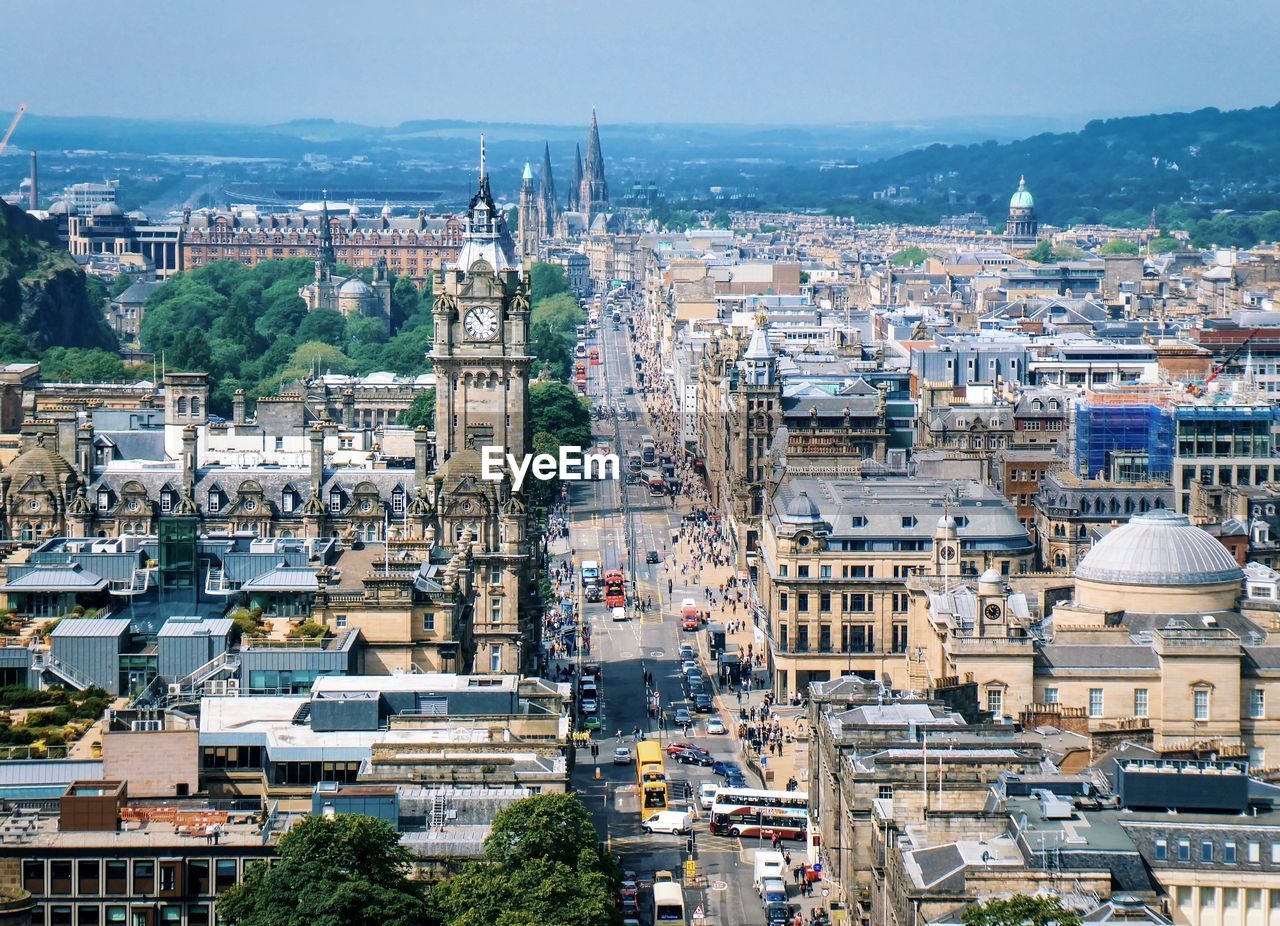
x=33, y=875
x=397, y=502
x=117, y=876
x=909, y=521
x=1184, y=850
x=802, y=572
x=995, y=702
x=1229, y=853
x=198, y=875
x=224, y=874
x=495, y=611
x=824, y=602
x=824, y=572
x=1095, y=702
x=215, y=500
x=1258, y=703
x=429, y=622
x=104, y=501
x=1201, y=704
x=286, y=501
x=166, y=501
x=802, y=638
x=782, y=570
x=144, y=876
x=899, y=638
x=87, y=874
x=340, y=621
x=886, y=792
x=802, y=602
x=1255, y=852
x=1140, y=702
x=335, y=502
x=783, y=601
x=1162, y=850
x=1275, y=853
x=495, y=658
x=1051, y=696
x=900, y=600
x=1206, y=851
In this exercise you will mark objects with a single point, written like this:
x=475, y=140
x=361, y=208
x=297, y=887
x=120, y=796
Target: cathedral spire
x=326, y=255
x=594, y=194
x=575, y=188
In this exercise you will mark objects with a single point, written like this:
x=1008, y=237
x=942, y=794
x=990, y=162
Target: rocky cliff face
x=45, y=300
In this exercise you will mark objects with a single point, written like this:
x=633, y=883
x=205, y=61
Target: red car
x=676, y=748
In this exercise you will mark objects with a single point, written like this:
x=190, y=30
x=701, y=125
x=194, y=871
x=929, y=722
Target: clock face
x=992, y=612
x=947, y=554
x=481, y=323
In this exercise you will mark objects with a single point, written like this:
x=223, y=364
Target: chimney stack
x=237, y=407
x=33, y=194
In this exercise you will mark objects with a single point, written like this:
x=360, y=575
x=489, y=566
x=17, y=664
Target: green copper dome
x=1022, y=199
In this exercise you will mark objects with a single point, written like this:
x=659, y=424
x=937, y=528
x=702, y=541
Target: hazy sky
x=761, y=61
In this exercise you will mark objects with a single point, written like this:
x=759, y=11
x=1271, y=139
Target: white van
x=619, y=614
x=676, y=822
x=769, y=864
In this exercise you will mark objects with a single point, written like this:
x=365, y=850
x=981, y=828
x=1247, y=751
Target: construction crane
x=4, y=142
x=1219, y=368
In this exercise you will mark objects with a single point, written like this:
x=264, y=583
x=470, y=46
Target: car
x=716, y=727
x=627, y=390
x=660, y=876
x=591, y=722
x=686, y=651
x=702, y=702
x=621, y=755
x=696, y=687
x=682, y=717
x=676, y=822
x=694, y=756
x=689, y=665
x=725, y=769
x=588, y=706
x=652, y=557
x=591, y=670
x=736, y=781
x=673, y=748
x=707, y=794
x=689, y=622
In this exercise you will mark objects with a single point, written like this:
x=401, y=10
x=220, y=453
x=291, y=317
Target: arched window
x=1128, y=506
x=182, y=405
x=195, y=406
x=1143, y=505
x=1060, y=561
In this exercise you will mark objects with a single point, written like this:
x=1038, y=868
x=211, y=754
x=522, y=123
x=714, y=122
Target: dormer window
x=397, y=501
x=104, y=500
x=335, y=501
x=166, y=501
x=287, y=501
x=215, y=500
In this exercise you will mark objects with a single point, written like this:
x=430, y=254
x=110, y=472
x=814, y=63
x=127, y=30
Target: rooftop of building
x=1159, y=547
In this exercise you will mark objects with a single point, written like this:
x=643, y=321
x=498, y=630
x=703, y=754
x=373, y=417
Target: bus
x=634, y=463
x=591, y=580
x=759, y=813
x=668, y=902
x=580, y=373
x=648, y=450
x=654, y=482
x=615, y=595
x=595, y=356
x=651, y=775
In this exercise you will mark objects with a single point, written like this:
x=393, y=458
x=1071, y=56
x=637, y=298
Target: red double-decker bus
x=615, y=595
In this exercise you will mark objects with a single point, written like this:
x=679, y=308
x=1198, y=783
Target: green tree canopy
x=346, y=870
x=1020, y=910
x=552, y=332
x=909, y=257
x=1162, y=244
x=546, y=280
x=549, y=827
x=421, y=411
x=1046, y=253
x=1118, y=246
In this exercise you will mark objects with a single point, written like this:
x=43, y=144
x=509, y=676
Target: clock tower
x=481, y=363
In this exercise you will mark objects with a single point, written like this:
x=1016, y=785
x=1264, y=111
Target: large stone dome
x=1159, y=548
x=1158, y=563
x=1021, y=199
x=39, y=460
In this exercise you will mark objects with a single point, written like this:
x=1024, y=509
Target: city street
x=617, y=524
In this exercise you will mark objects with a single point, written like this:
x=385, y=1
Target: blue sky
x=744, y=61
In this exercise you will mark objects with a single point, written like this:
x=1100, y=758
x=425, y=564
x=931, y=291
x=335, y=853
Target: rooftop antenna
x=482, y=155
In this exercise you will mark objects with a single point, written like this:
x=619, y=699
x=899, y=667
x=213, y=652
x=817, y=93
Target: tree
x=122, y=282
x=547, y=827
x=909, y=257
x=1042, y=253
x=323, y=325
x=556, y=409
x=547, y=280
x=421, y=411
x=1020, y=910
x=1118, y=246
x=346, y=870
x=1163, y=244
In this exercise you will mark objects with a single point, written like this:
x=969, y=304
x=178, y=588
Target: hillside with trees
x=1187, y=166
x=248, y=328
x=46, y=300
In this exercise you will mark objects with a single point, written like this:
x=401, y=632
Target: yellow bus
x=668, y=903
x=651, y=775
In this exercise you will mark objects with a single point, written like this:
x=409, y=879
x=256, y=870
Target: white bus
x=668, y=903
x=753, y=812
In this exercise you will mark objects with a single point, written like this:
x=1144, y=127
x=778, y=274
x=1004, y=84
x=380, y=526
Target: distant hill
x=1185, y=165
x=45, y=300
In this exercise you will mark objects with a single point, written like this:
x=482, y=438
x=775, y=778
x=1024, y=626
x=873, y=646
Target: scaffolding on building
x=1127, y=428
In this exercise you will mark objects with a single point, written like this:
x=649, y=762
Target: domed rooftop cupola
x=802, y=510
x=1021, y=198
x=1159, y=563
x=39, y=460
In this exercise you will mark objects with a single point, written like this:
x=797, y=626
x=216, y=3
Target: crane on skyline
x=17, y=117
